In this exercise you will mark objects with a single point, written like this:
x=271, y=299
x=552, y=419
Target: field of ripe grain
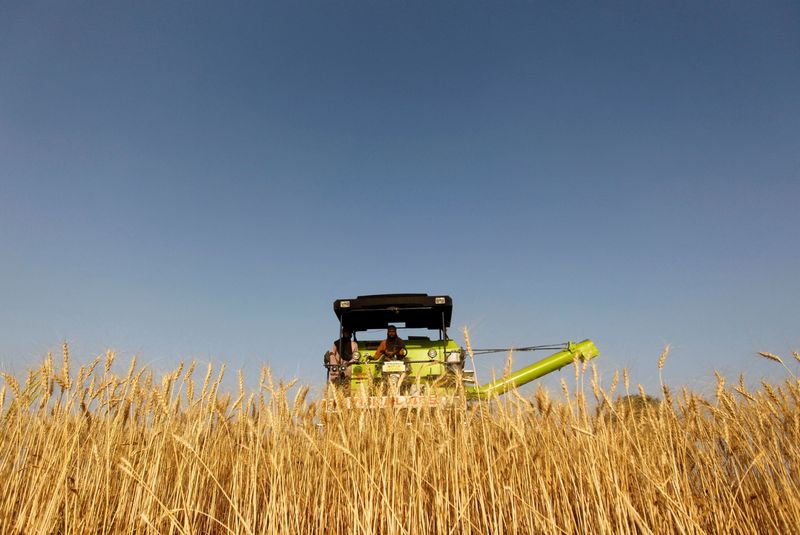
x=88, y=451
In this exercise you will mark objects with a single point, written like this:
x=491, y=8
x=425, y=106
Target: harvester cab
x=430, y=367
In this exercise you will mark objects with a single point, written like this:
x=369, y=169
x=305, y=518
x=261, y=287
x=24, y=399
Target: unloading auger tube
x=583, y=351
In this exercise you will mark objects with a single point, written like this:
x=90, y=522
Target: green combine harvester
x=425, y=370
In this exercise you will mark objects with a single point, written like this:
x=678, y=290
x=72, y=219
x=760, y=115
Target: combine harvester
x=427, y=372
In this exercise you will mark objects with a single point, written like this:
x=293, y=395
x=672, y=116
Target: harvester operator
x=341, y=354
x=393, y=347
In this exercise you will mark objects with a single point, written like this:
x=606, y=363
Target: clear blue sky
x=202, y=180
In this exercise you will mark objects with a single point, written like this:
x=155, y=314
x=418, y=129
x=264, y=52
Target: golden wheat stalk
x=770, y=356
x=776, y=358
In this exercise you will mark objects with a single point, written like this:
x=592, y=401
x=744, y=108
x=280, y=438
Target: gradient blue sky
x=186, y=179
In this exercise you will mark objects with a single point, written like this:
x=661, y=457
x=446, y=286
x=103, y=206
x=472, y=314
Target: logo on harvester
x=388, y=402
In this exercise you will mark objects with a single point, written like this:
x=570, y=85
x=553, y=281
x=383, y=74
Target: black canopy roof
x=417, y=311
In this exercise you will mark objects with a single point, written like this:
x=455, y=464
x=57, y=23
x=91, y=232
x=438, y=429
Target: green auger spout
x=582, y=350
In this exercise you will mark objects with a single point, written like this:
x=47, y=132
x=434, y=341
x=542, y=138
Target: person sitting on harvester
x=393, y=348
x=341, y=354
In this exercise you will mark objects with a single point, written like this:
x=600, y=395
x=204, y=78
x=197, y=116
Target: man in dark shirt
x=341, y=354
x=393, y=347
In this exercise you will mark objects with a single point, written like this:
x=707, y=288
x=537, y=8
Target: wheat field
x=91, y=451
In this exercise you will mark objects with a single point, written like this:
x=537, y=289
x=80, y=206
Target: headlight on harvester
x=356, y=355
x=431, y=353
